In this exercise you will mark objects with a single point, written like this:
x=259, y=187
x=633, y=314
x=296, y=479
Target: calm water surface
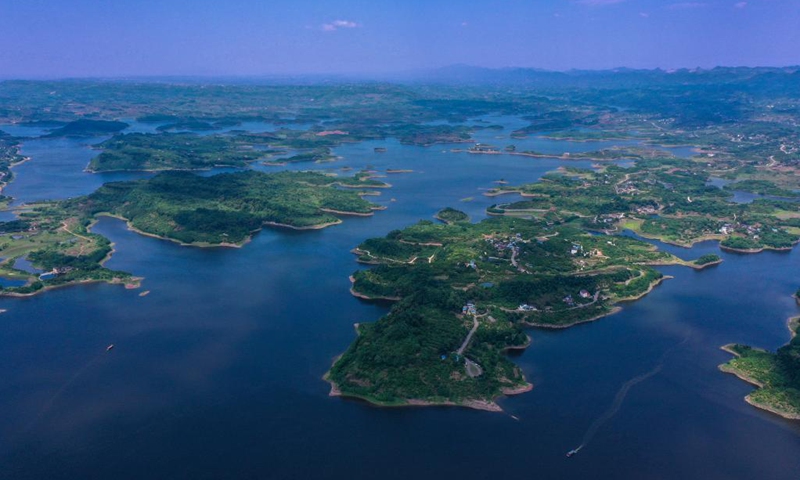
x=216, y=373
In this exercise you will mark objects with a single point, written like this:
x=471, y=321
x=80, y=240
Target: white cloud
x=337, y=24
x=599, y=3
x=740, y=4
x=644, y=14
x=686, y=5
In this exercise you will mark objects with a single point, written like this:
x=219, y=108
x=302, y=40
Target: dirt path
x=464, y=345
x=65, y=226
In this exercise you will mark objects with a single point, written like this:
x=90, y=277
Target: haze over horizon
x=89, y=38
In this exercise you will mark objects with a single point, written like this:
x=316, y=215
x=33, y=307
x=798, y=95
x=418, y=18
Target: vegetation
x=88, y=128
x=223, y=209
x=741, y=123
x=451, y=215
x=59, y=247
x=707, y=259
x=497, y=276
x=317, y=155
x=9, y=156
x=777, y=375
x=174, y=151
x=668, y=199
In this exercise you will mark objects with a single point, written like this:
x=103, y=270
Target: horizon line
x=379, y=75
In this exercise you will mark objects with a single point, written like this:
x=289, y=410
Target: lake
x=216, y=373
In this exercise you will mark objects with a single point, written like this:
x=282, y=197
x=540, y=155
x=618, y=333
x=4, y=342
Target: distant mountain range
x=768, y=78
x=467, y=74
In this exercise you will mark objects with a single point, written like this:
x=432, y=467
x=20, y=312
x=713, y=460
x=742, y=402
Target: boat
x=109, y=347
x=573, y=452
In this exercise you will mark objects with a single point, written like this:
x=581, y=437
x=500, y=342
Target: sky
x=107, y=38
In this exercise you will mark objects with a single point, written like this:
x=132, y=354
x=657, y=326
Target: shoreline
x=484, y=405
x=719, y=238
x=475, y=404
x=758, y=250
x=677, y=243
x=684, y=263
x=130, y=284
x=183, y=244
x=614, y=310
x=652, y=286
x=350, y=214
x=519, y=347
x=227, y=244
x=362, y=296
x=308, y=227
x=734, y=371
x=792, y=324
x=346, y=185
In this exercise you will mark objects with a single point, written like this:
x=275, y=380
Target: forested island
x=464, y=291
x=88, y=128
x=464, y=294
x=9, y=156
x=777, y=375
x=668, y=200
x=220, y=210
x=174, y=151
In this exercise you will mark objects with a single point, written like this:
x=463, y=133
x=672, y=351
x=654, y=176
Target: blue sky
x=58, y=38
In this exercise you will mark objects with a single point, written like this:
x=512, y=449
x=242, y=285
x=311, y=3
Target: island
x=777, y=375
x=51, y=244
x=315, y=155
x=463, y=296
x=451, y=215
x=176, y=151
x=667, y=200
x=88, y=128
x=560, y=256
x=9, y=157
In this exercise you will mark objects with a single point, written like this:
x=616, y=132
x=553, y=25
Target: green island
x=668, y=200
x=708, y=259
x=88, y=128
x=315, y=155
x=9, y=156
x=220, y=210
x=451, y=215
x=464, y=292
x=188, y=151
x=777, y=375
x=463, y=295
x=606, y=154
x=174, y=151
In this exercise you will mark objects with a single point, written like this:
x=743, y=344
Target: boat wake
x=619, y=398
x=52, y=400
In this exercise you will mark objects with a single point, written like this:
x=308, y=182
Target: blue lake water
x=747, y=197
x=217, y=372
x=25, y=265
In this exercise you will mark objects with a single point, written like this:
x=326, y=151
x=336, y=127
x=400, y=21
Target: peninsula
x=777, y=375
x=464, y=295
x=220, y=210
